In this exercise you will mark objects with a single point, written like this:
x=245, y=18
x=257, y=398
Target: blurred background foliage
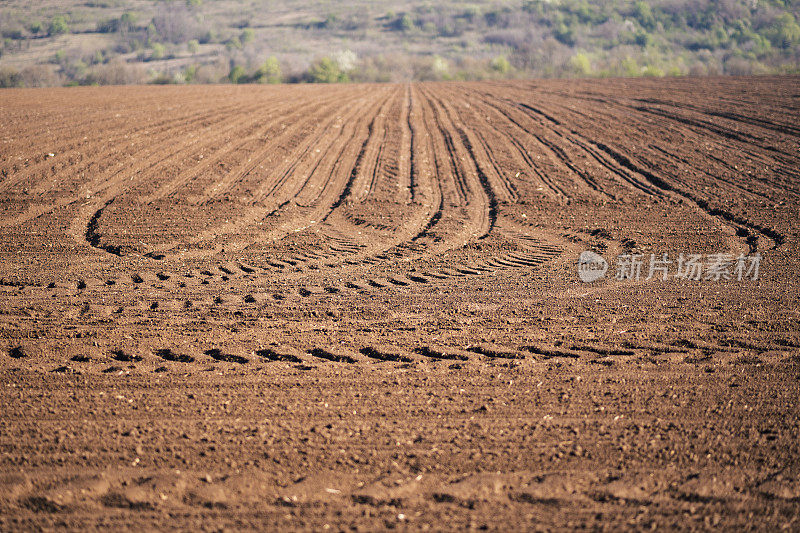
x=65, y=42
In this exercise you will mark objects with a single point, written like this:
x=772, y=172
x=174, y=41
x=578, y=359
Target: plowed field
x=358, y=306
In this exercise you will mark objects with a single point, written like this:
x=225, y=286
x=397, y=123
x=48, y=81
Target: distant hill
x=63, y=42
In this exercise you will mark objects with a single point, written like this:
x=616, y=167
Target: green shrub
x=159, y=51
x=12, y=34
x=190, y=73
x=10, y=77
x=630, y=68
x=761, y=45
x=325, y=70
x=564, y=34
x=162, y=79
x=403, y=23
x=238, y=75
x=233, y=44
x=651, y=71
x=269, y=72
x=784, y=32
x=127, y=21
x=500, y=65
x=642, y=38
x=247, y=36
x=58, y=26
x=644, y=15
x=580, y=64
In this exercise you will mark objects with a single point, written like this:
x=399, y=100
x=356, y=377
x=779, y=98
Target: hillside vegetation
x=240, y=41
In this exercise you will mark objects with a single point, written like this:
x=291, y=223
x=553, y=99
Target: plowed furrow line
x=403, y=249
x=60, y=113
x=479, y=101
x=769, y=179
x=405, y=154
x=372, y=188
x=147, y=158
x=317, y=179
x=79, y=124
x=275, y=137
x=102, y=148
x=390, y=177
x=427, y=208
x=272, y=206
x=444, y=165
x=549, y=148
x=692, y=163
x=527, y=131
x=739, y=223
x=784, y=128
x=680, y=130
x=509, y=190
x=776, y=159
x=459, y=179
x=425, y=168
x=325, y=202
x=104, y=153
x=384, y=159
x=479, y=147
x=425, y=176
x=694, y=126
x=332, y=167
x=140, y=171
x=628, y=171
x=294, y=160
x=370, y=159
x=747, y=140
x=609, y=165
x=184, y=180
x=284, y=220
x=534, y=167
x=426, y=187
x=377, y=122
x=414, y=139
x=487, y=185
x=547, y=122
x=478, y=215
x=743, y=226
x=312, y=187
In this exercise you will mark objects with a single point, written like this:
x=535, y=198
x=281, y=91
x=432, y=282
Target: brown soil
x=358, y=307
